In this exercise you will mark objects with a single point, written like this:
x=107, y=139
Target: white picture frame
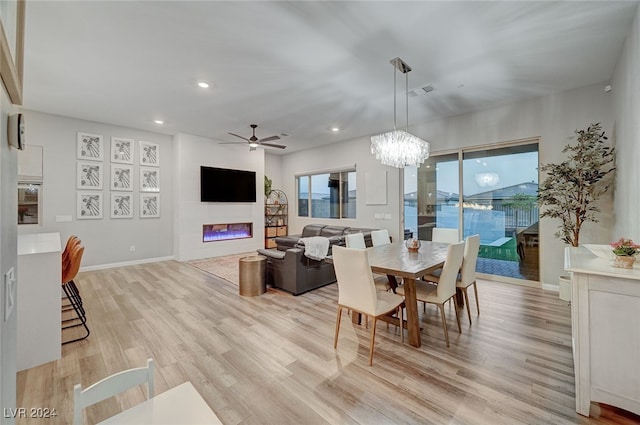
x=122, y=150
x=89, y=175
x=121, y=205
x=90, y=146
x=149, y=154
x=121, y=177
x=149, y=179
x=149, y=205
x=89, y=205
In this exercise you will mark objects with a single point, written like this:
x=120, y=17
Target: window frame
x=341, y=184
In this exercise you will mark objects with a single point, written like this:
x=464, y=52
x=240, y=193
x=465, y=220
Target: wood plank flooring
x=270, y=359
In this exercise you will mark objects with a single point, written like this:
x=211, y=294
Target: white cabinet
x=38, y=301
x=605, y=318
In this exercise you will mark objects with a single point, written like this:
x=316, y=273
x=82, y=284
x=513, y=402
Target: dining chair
x=446, y=288
x=443, y=234
x=380, y=237
x=355, y=240
x=70, y=273
x=357, y=292
x=111, y=386
x=468, y=271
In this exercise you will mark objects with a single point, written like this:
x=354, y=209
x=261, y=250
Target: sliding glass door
x=499, y=186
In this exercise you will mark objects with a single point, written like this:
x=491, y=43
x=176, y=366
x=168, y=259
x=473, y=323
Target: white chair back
x=447, y=282
x=380, y=237
x=443, y=234
x=471, y=249
x=356, y=289
x=110, y=386
x=355, y=240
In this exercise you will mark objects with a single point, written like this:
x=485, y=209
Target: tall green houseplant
x=572, y=186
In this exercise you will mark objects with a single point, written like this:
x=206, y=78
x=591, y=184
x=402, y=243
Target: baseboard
x=126, y=263
x=551, y=287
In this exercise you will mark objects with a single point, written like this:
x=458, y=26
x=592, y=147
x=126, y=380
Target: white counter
x=38, y=299
x=605, y=318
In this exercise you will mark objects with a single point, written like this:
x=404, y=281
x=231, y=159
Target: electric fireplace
x=225, y=232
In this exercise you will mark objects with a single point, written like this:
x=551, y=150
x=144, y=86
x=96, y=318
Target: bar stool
x=68, y=274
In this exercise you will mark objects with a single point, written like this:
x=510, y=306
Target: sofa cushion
x=329, y=231
x=312, y=230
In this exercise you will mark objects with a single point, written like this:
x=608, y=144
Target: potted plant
x=573, y=186
x=625, y=251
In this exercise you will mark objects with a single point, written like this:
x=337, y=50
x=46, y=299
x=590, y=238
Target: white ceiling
x=302, y=67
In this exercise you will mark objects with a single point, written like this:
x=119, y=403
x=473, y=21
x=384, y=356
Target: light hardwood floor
x=270, y=359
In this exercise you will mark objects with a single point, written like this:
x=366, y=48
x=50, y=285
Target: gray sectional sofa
x=289, y=269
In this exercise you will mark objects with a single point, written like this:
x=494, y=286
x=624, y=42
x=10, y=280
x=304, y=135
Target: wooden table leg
x=459, y=297
x=411, y=304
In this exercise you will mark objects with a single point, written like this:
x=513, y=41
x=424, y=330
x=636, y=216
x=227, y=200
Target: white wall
x=273, y=169
x=8, y=259
x=343, y=155
x=106, y=241
x=190, y=153
x=554, y=118
x=626, y=91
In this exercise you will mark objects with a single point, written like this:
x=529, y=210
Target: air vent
x=421, y=91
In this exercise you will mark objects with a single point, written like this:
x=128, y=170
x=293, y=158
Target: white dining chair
x=355, y=240
x=380, y=237
x=443, y=234
x=468, y=271
x=357, y=292
x=446, y=288
x=109, y=387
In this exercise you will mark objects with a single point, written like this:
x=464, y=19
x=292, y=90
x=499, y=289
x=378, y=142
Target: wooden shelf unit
x=275, y=217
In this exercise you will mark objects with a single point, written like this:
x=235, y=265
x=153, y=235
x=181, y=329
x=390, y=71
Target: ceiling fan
x=254, y=142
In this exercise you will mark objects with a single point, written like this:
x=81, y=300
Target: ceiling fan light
x=254, y=144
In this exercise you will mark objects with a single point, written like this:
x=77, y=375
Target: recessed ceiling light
x=158, y=121
x=334, y=129
x=203, y=85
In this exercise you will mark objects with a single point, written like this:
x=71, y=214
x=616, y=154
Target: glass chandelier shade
x=399, y=148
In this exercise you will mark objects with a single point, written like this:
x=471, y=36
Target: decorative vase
x=624, y=261
x=413, y=245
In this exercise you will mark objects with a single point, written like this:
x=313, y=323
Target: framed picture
x=90, y=146
x=149, y=154
x=122, y=177
x=149, y=205
x=121, y=205
x=89, y=205
x=122, y=150
x=89, y=175
x=149, y=179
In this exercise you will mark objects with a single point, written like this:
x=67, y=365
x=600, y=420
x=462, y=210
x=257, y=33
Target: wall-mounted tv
x=226, y=185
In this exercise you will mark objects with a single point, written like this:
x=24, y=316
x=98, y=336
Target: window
x=28, y=203
x=327, y=195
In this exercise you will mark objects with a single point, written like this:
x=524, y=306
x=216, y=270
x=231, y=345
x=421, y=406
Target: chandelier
x=399, y=148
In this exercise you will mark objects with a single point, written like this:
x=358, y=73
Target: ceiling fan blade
x=271, y=145
x=232, y=143
x=268, y=139
x=243, y=138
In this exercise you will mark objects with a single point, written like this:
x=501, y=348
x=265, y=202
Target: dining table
x=182, y=405
x=395, y=260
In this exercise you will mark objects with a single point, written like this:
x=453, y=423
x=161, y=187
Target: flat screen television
x=226, y=185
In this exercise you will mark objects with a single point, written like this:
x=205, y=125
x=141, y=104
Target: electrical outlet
x=132, y=248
